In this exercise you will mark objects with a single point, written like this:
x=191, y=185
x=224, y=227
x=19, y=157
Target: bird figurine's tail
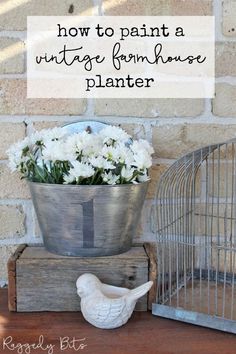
x=141, y=290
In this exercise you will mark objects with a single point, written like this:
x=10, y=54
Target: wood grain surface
x=46, y=282
x=151, y=250
x=143, y=334
x=11, y=267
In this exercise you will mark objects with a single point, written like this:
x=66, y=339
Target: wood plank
x=143, y=333
x=11, y=268
x=151, y=250
x=39, y=252
x=46, y=282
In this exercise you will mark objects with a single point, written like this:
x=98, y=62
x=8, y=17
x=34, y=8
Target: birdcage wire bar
x=196, y=238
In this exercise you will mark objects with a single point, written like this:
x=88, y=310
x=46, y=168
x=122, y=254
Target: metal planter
x=88, y=221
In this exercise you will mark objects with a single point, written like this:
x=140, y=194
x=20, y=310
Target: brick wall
x=174, y=126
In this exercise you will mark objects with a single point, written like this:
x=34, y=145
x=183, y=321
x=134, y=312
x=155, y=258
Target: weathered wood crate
x=42, y=281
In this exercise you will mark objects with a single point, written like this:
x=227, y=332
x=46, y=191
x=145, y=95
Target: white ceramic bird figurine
x=106, y=306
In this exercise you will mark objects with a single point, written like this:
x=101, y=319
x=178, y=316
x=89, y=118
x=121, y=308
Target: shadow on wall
x=13, y=14
x=13, y=17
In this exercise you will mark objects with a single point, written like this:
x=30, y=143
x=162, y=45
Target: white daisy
x=112, y=133
x=101, y=162
x=127, y=173
x=110, y=178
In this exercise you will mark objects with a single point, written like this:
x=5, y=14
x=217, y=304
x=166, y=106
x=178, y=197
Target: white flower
x=82, y=143
x=118, y=154
x=36, y=137
x=71, y=148
x=68, y=179
x=77, y=157
x=16, y=154
x=80, y=169
x=54, y=151
x=110, y=178
x=110, y=153
x=112, y=133
x=142, y=160
x=143, y=178
x=124, y=154
x=52, y=134
x=127, y=173
x=101, y=162
x=142, y=144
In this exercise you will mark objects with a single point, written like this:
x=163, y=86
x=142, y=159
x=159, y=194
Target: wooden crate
x=42, y=281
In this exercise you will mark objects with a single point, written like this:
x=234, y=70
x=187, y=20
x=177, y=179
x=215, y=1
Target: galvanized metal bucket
x=85, y=220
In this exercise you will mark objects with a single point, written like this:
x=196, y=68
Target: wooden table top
x=144, y=334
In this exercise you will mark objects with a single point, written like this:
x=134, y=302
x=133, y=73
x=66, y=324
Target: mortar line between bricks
x=14, y=34
x=100, y=8
x=163, y=161
x=208, y=107
x=207, y=120
x=96, y=5
x=18, y=241
x=226, y=80
x=217, y=12
x=12, y=241
x=90, y=108
x=16, y=202
x=29, y=221
x=204, y=118
x=39, y=118
x=51, y=118
x=148, y=131
x=13, y=76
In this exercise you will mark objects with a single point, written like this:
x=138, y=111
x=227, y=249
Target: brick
x=15, y=12
x=222, y=186
x=11, y=184
x=149, y=108
x=157, y=8
x=191, y=7
x=168, y=140
x=12, y=221
x=9, y=134
x=173, y=141
x=12, y=56
x=39, y=125
x=229, y=16
x=146, y=226
x=13, y=100
x=200, y=135
x=226, y=59
x=137, y=131
x=5, y=253
x=224, y=103
x=12, y=96
x=155, y=174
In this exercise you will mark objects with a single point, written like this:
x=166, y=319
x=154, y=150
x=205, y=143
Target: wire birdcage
x=196, y=239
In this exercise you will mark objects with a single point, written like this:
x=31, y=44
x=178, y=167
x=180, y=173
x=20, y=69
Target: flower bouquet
x=87, y=188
